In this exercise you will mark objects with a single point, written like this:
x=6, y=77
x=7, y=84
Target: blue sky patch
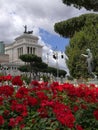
x=54, y=40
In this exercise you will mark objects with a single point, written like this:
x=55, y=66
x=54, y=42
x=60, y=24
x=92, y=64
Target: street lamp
x=56, y=57
x=47, y=58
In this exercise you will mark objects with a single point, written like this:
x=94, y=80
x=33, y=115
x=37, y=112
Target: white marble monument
x=24, y=44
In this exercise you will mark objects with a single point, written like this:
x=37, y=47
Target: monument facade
x=27, y=43
x=24, y=44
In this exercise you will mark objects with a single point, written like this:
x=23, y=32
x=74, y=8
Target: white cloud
x=43, y=14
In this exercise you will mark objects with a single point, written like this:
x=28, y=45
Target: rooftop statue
x=27, y=32
x=25, y=29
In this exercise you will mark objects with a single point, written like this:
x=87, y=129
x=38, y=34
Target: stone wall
x=4, y=58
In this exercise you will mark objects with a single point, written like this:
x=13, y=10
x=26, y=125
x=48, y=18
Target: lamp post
x=56, y=57
x=47, y=58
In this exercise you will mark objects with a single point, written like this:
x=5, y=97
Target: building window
x=27, y=50
x=20, y=51
x=30, y=50
x=34, y=51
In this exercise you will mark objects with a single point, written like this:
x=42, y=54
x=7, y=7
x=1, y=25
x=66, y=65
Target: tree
x=54, y=71
x=83, y=34
x=87, y=4
x=33, y=63
x=68, y=28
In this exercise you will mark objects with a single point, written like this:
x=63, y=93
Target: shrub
x=44, y=106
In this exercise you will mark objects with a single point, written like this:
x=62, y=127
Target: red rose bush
x=44, y=106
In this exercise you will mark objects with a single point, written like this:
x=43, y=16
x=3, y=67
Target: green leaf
x=49, y=128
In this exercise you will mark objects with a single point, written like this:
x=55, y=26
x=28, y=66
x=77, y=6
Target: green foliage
x=24, y=68
x=26, y=79
x=33, y=63
x=39, y=67
x=62, y=73
x=30, y=58
x=86, y=38
x=88, y=4
x=54, y=71
x=69, y=27
x=83, y=31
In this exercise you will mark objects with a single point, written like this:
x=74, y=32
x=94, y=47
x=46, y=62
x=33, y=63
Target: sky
x=39, y=16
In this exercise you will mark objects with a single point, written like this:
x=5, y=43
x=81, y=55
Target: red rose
x=78, y=127
x=17, y=81
x=76, y=108
x=6, y=113
x=95, y=113
x=1, y=101
x=12, y=122
x=32, y=101
x=1, y=120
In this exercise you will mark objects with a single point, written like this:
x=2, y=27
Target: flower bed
x=43, y=106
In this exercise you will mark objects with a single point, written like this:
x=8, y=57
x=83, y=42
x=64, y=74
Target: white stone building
x=27, y=43
x=24, y=44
